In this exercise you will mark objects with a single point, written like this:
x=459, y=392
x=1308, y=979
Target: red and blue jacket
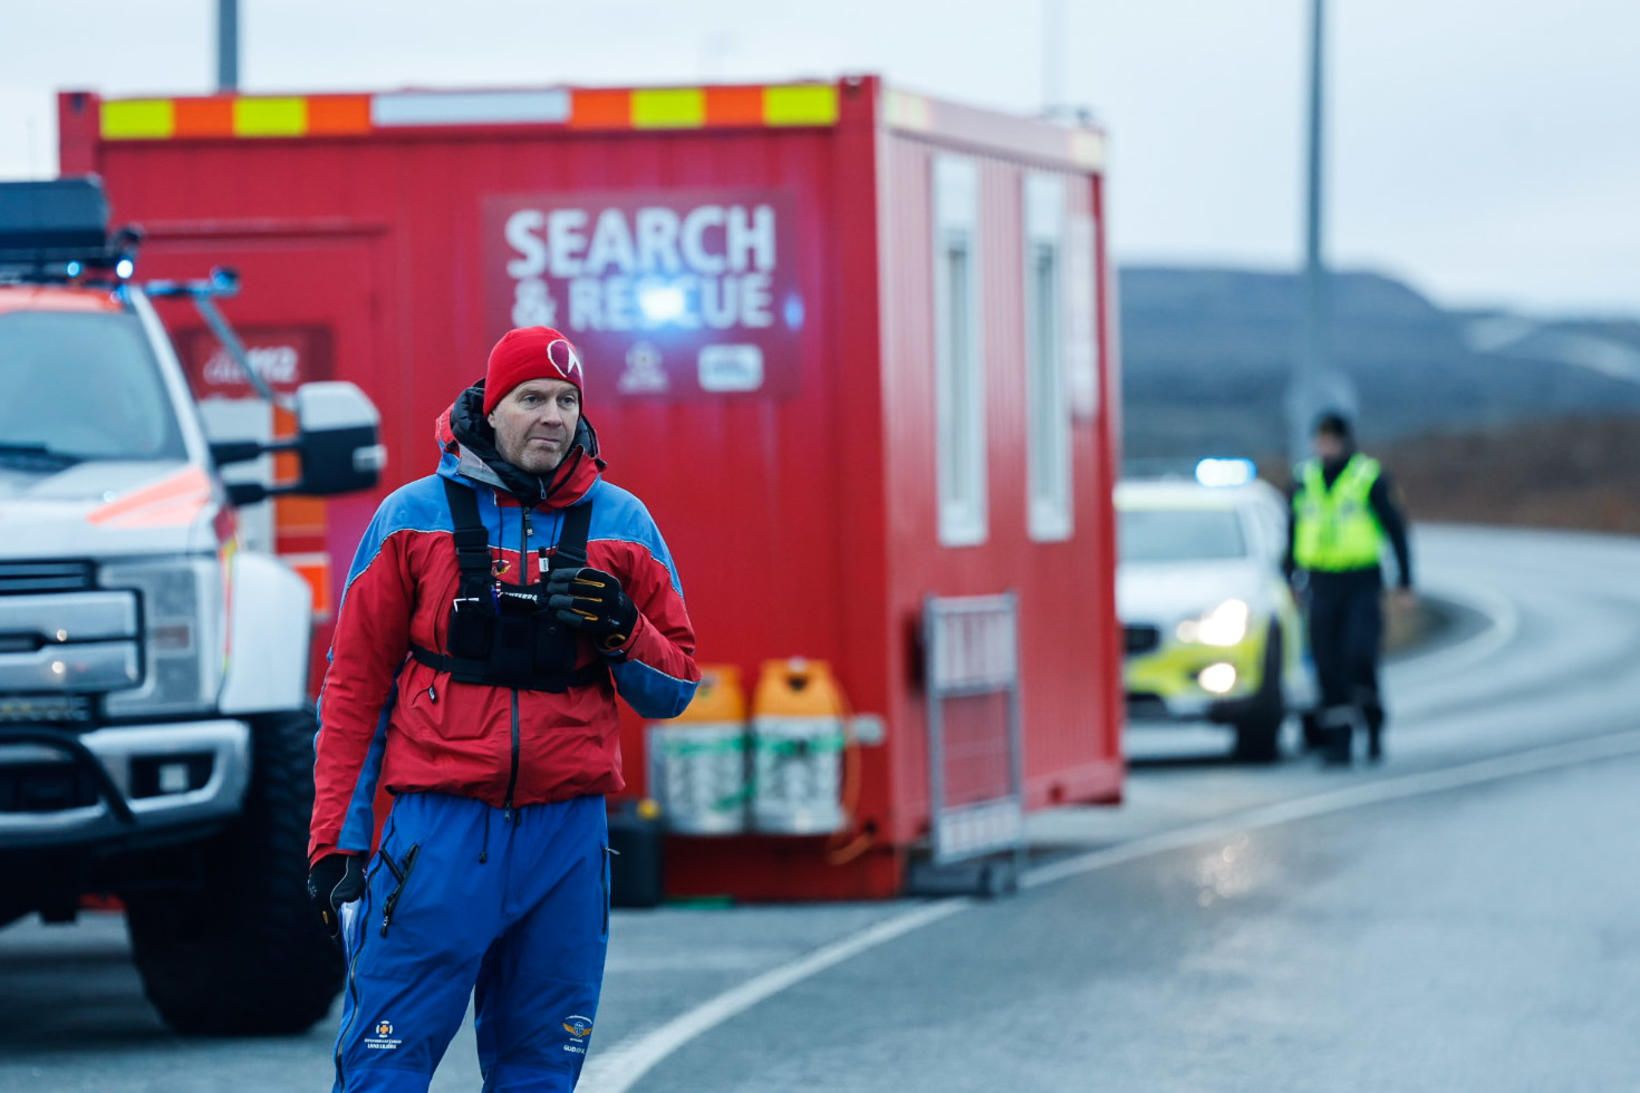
x=387, y=720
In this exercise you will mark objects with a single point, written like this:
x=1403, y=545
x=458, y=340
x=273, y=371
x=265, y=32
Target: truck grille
x=45, y=709
x=16, y=577
x=64, y=643
x=1140, y=639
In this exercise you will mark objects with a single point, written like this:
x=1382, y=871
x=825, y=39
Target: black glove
x=335, y=879
x=594, y=602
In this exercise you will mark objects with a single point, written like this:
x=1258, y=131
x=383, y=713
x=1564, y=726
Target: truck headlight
x=182, y=634
x=1225, y=625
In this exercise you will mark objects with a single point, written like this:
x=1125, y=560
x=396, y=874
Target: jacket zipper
x=353, y=981
x=523, y=577
x=512, y=777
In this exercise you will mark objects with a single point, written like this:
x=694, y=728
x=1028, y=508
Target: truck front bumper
x=119, y=784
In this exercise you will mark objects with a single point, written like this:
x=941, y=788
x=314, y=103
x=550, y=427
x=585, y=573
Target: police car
x=1211, y=629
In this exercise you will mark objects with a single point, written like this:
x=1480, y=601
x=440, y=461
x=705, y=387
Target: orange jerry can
x=697, y=761
x=798, y=739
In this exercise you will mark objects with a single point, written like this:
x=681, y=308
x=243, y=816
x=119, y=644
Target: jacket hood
x=467, y=448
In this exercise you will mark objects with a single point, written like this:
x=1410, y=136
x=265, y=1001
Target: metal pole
x=1310, y=364
x=227, y=45
x=933, y=684
x=1016, y=738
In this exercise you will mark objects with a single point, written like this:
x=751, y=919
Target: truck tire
x=246, y=956
x=1258, y=732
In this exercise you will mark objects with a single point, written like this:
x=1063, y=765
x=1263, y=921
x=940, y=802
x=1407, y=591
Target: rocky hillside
x=1206, y=354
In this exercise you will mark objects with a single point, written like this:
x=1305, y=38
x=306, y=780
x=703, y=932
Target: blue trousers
x=463, y=899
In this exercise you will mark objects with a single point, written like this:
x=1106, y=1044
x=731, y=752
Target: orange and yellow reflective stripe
x=263, y=116
x=139, y=119
x=669, y=108
x=800, y=104
x=235, y=116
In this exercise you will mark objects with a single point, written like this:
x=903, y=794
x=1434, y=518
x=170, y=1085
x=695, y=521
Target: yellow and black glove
x=593, y=602
x=335, y=879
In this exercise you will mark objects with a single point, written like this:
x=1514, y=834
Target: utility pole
x=227, y=45
x=1310, y=365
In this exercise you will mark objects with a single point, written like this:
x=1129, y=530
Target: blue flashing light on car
x=1225, y=472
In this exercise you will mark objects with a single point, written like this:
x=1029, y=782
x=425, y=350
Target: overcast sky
x=1486, y=150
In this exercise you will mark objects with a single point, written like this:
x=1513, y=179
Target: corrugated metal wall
x=802, y=525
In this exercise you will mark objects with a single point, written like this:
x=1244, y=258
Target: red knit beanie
x=529, y=353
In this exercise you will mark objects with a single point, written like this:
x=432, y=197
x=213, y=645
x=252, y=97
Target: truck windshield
x=76, y=387
x=1180, y=535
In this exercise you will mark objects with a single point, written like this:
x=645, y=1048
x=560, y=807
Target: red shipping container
x=809, y=315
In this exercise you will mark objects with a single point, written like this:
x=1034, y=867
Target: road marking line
x=618, y=1069
x=1377, y=791
x=1504, y=619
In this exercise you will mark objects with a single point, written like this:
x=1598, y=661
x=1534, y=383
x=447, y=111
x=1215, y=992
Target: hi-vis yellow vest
x=1336, y=529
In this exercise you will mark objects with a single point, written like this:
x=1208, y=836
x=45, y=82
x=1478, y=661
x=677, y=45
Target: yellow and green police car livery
x=1210, y=626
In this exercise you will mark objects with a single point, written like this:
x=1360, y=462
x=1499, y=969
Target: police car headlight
x=183, y=625
x=1223, y=626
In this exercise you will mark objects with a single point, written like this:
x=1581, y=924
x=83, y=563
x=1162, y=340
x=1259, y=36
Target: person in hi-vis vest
x=1343, y=508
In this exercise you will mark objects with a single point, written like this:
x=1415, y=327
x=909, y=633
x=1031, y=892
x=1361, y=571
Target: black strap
x=571, y=548
x=461, y=667
x=472, y=540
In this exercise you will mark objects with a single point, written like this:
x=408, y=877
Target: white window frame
x=1048, y=413
x=959, y=367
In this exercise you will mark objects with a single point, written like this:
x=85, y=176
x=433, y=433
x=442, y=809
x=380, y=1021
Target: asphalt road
x=1481, y=939
x=1443, y=921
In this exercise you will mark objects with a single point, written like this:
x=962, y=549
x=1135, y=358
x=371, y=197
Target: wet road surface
x=1478, y=939
x=1468, y=935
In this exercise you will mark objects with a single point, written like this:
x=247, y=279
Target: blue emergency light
x=1225, y=472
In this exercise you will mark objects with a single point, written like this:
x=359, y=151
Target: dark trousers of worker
x=1346, y=624
x=510, y=908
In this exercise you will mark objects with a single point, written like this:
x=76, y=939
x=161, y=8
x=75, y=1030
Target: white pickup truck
x=156, y=729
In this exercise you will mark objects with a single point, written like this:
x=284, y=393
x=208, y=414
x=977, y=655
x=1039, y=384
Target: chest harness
x=505, y=635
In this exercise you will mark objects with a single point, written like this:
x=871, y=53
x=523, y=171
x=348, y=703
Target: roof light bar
x=1225, y=472
x=58, y=231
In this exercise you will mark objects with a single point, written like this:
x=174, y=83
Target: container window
x=1048, y=454
x=958, y=364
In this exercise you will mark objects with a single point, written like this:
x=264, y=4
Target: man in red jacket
x=492, y=614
